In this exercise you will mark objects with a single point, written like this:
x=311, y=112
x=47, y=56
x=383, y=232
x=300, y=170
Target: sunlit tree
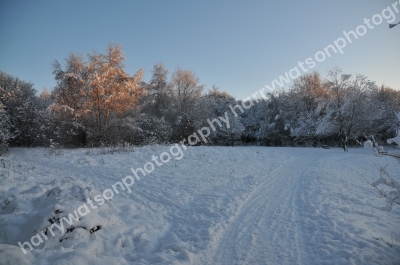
x=96, y=93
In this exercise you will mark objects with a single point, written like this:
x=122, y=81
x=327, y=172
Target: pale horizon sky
x=236, y=45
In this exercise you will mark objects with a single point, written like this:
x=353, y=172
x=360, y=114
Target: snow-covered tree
x=187, y=91
x=20, y=102
x=307, y=106
x=28, y=123
x=350, y=107
x=154, y=130
x=111, y=91
x=251, y=120
x=157, y=100
x=276, y=119
x=384, y=121
x=214, y=104
x=4, y=128
x=231, y=132
x=96, y=93
x=395, y=140
x=387, y=185
x=333, y=122
x=44, y=100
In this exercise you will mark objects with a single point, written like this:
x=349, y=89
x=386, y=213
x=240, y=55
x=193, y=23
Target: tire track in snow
x=266, y=227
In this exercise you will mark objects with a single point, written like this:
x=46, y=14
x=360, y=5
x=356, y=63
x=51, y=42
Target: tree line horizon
x=96, y=103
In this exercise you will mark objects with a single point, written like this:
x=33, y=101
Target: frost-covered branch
x=393, y=195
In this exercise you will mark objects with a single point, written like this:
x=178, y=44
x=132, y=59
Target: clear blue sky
x=239, y=46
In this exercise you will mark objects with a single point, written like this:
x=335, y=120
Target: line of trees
x=95, y=102
x=329, y=111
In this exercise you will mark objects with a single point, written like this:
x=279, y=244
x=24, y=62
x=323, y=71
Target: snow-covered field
x=217, y=205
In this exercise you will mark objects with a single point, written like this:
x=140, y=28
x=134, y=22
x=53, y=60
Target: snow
x=217, y=205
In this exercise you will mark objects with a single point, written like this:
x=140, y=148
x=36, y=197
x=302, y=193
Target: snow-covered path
x=267, y=226
x=218, y=205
